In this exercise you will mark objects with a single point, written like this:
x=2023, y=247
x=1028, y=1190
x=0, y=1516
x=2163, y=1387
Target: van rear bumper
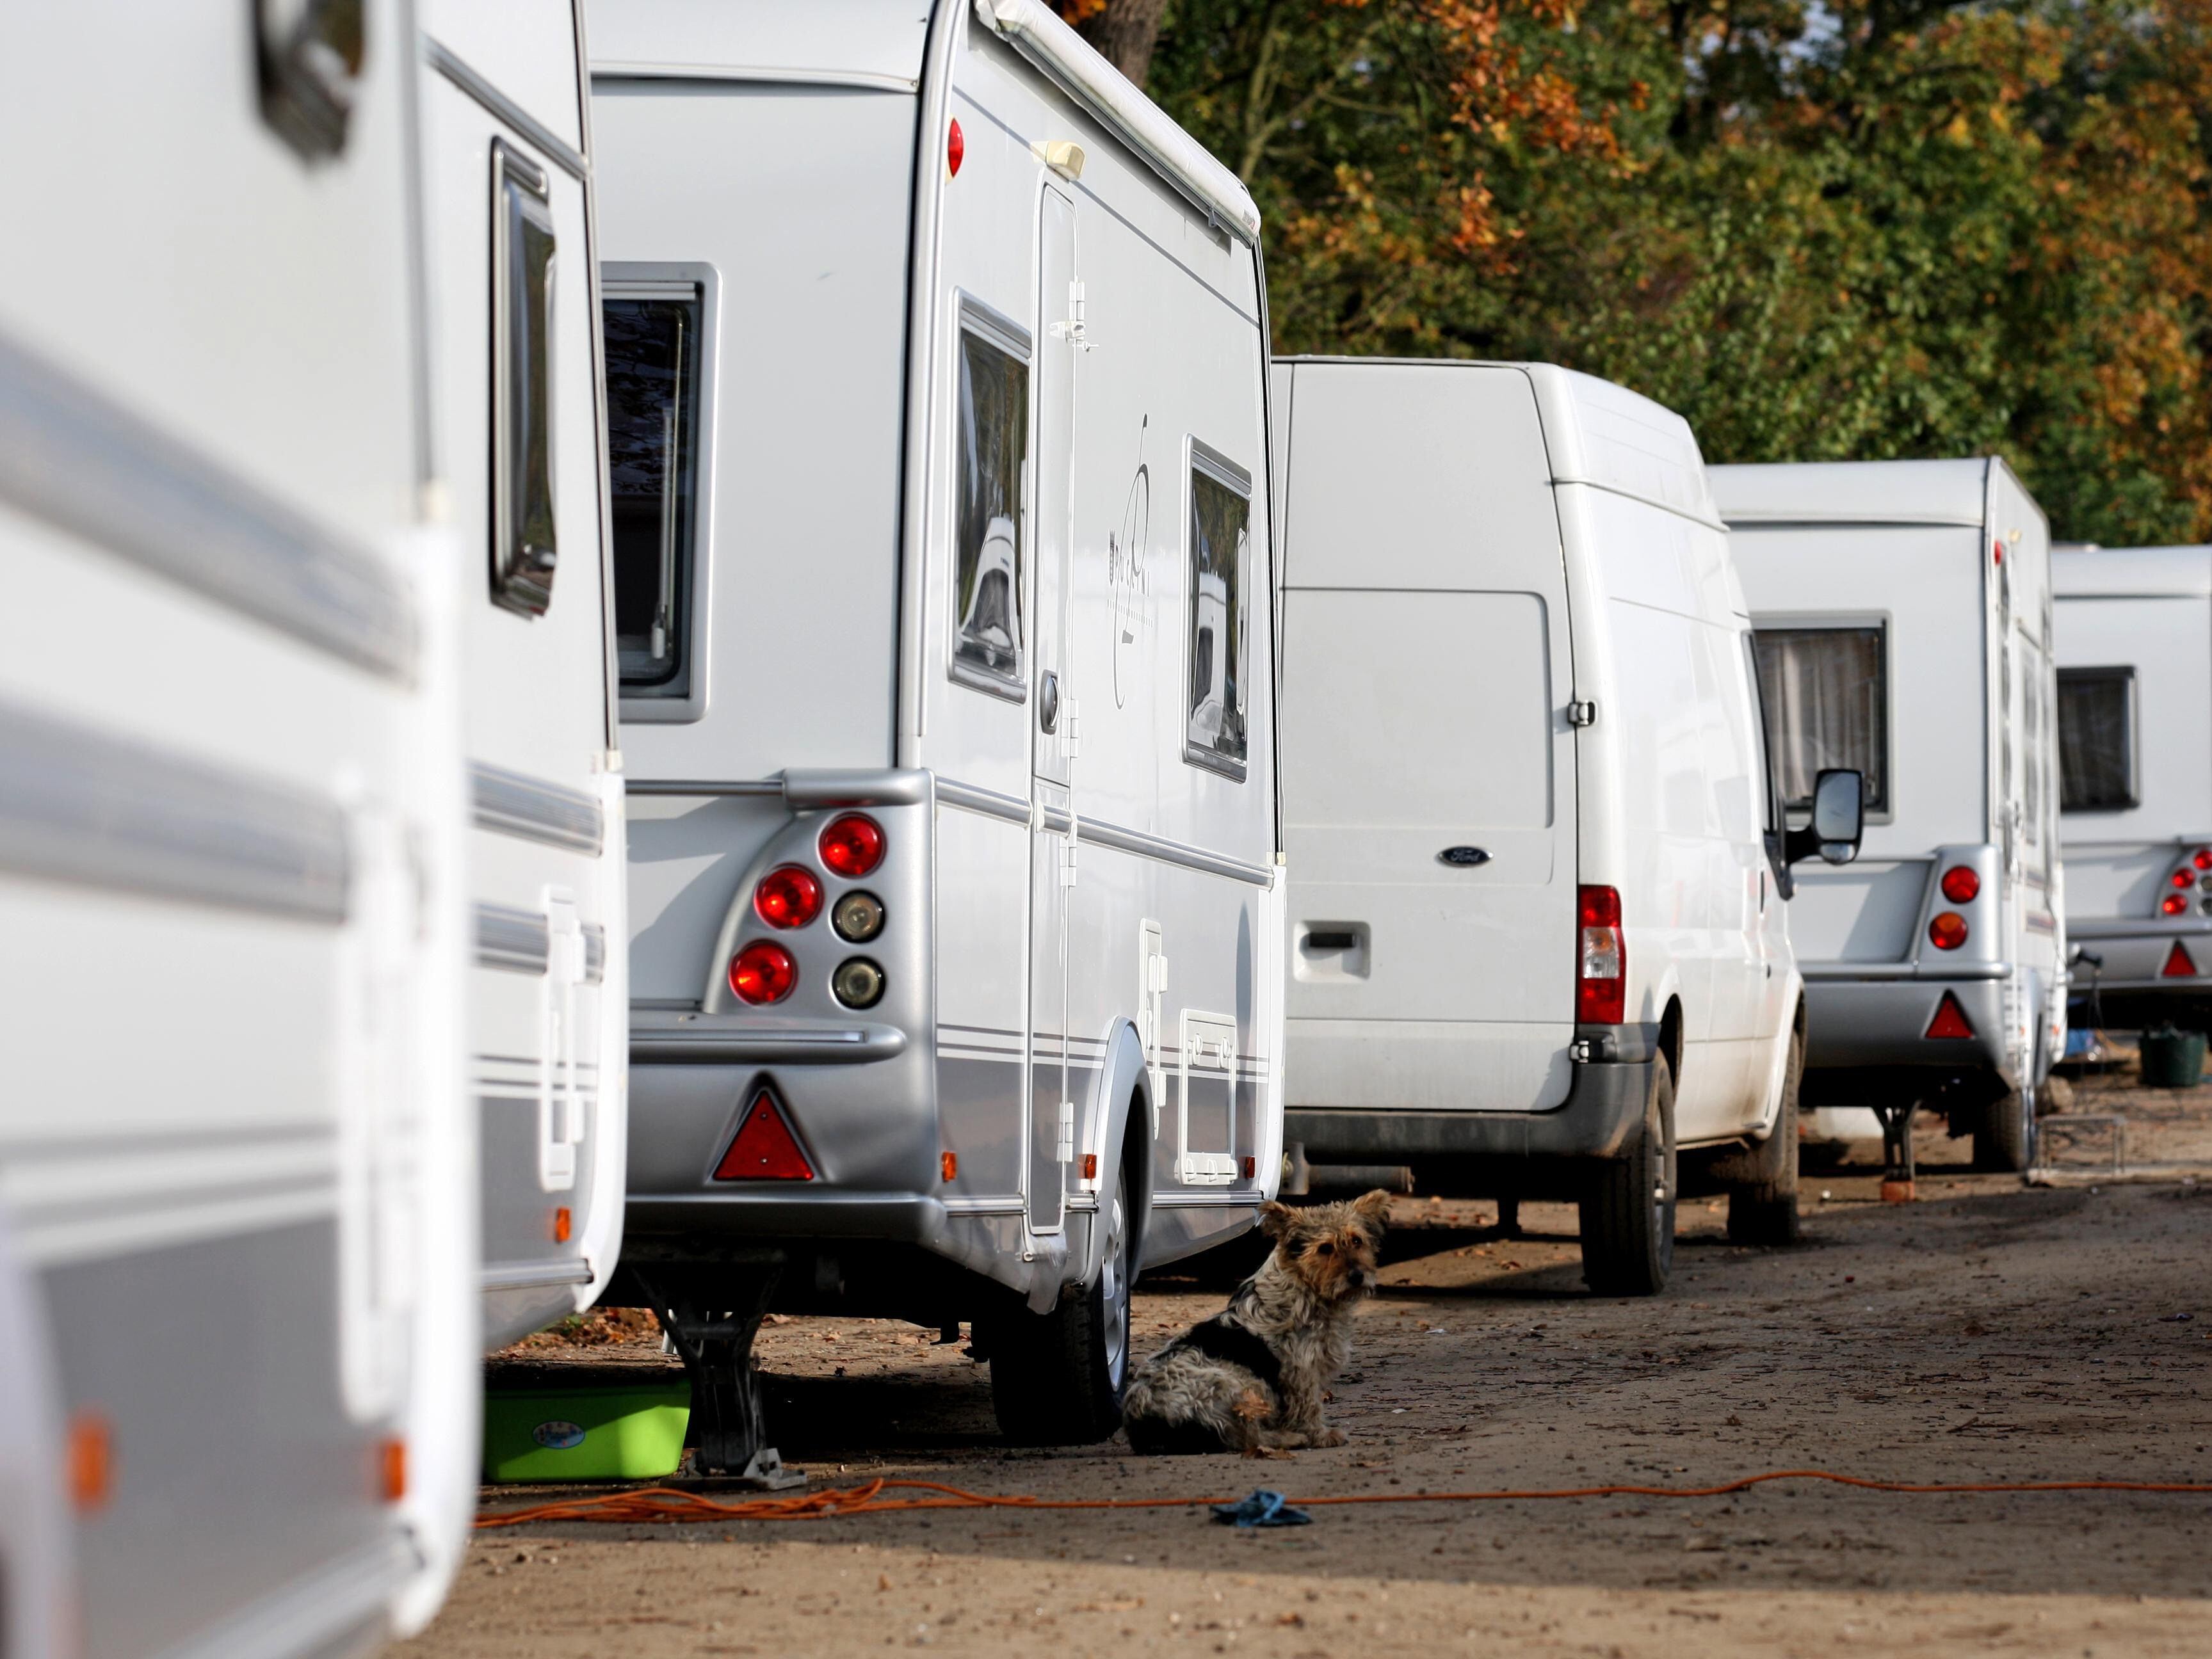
x=1854, y=1023
x=1604, y=1103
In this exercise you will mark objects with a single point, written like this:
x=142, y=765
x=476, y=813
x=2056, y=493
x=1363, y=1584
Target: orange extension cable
x=666, y=1503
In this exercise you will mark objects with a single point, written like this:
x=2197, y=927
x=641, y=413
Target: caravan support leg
x=1897, y=1181
x=716, y=1343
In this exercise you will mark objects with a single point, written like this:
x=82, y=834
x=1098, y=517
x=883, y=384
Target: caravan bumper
x=1856, y=1023
x=1604, y=1103
x=2130, y=991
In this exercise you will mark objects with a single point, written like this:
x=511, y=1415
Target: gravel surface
x=1990, y=1331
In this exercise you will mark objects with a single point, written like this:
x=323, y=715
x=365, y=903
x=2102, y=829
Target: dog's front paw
x=1331, y=1437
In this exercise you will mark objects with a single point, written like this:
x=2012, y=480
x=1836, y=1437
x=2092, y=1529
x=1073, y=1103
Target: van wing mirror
x=1838, y=819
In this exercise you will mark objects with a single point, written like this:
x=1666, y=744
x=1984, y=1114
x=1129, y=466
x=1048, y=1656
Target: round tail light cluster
x=2190, y=884
x=789, y=896
x=1947, y=930
x=1962, y=886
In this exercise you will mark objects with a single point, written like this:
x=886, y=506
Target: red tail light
x=853, y=845
x=1950, y=1020
x=787, y=898
x=2173, y=904
x=1948, y=931
x=764, y=1148
x=2184, y=877
x=2179, y=964
x=2202, y=858
x=1960, y=885
x=956, y=150
x=762, y=972
x=1602, y=964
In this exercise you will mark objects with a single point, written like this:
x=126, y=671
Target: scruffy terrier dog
x=1250, y=1378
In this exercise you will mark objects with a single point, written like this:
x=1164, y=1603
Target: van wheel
x=1763, y=1204
x=2005, y=1140
x=1057, y=1377
x=1628, y=1213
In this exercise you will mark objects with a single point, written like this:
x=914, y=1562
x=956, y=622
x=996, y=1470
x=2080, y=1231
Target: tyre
x=1628, y=1211
x=1056, y=1377
x=2006, y=1139
x=1763, y=1201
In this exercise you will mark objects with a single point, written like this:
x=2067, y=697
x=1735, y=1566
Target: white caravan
x=937, y=374
x=1538, y=944
x=516, y=352
x=239, y=1322
x=1904, y=618
x=2135, y=779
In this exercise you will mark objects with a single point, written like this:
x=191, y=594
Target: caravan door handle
x=1049, y=701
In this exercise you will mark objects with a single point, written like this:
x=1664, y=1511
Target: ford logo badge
x=1463, y=857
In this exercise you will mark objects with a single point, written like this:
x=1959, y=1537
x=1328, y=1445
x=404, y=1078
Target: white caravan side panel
x=548, y=1002
x=232, y=1154
x=1427, y=667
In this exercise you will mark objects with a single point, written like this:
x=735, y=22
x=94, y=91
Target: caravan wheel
x=2006, y=1140
x=1057, y=1377
x=1628, y=1215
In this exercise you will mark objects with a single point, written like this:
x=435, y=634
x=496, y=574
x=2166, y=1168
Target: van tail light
x=762, y=972
x=1960, y=885
x=1602, y=967
x=1950, y=1020
x=1947, y=930
x=852, y=846
x=764, y=1148
x=2179, y=964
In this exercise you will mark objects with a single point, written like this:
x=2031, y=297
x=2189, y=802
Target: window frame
x=1837, y=622
x=995, y=328
x=665, y=279
x=520, y=186
x=1200, y=457
x=2126, y=673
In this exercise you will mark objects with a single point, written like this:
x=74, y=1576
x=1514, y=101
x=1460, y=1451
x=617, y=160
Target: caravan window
x=995, y=436
x=523, y=550
x=1221, y=647
x=1825, y=692
x=2097, y=740
x=653, y=333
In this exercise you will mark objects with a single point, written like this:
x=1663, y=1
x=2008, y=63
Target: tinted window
x=652, y=417
x=524, y=552
x=986, y=589
x=1825, y=692
x=2097, y=740
x=1219, y=654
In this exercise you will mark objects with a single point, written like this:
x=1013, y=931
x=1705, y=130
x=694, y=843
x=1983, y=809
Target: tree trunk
x=1124, y=32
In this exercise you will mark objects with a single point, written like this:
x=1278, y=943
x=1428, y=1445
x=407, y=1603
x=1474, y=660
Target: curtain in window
x=1827, y=701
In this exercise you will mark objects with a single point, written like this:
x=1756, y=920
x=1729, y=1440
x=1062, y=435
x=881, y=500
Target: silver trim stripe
x=78, y=806
x=449, y=64
x=515, y=803
x=535, y=1275
x=514, y=940
x=990, y=803
x=95, y=471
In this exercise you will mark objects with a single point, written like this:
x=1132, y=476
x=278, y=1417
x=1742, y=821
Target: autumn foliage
x=1863, y=230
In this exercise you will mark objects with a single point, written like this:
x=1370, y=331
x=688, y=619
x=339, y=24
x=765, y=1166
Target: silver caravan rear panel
x=1926, y=584
x=2134, y=687
x=516, y=356
x=1080, y=879
x=232, y=1155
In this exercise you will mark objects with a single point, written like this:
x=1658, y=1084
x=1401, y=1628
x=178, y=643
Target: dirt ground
x=1989, y=1331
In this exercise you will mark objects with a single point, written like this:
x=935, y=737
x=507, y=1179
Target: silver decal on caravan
x=535, y=1275
x=518, y=940
x=448, y=64
x=513, y=803
x=78, y=806
x=89, y=468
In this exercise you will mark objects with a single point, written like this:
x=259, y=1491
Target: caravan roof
x=2132, y=573
x=1856, y=492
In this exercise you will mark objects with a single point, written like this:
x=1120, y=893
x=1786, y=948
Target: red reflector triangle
x=1950, y=1019
x=2179, y=964
x=765, y=1149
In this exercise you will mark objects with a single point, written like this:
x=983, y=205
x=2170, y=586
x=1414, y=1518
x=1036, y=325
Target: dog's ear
x=1373, y=1207
x=1275, y=1219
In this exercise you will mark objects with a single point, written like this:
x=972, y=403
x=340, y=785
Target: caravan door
x=1053, y=718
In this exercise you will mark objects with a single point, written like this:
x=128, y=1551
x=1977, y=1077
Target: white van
x=937, y=364
x=1538, y=945
x=2135, y=789
x=1904, y=618
x=233, y=1166
x=516, y=356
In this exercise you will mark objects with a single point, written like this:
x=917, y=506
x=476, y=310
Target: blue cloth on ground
x=1262, y=1509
